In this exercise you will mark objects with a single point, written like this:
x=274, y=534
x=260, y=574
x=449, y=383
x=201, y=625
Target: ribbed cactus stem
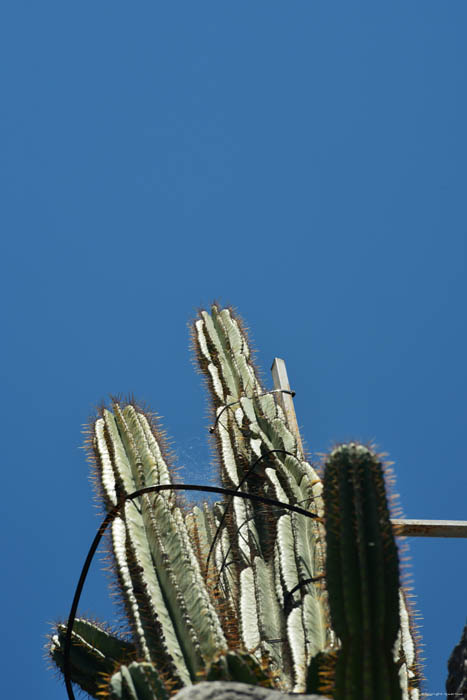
x=94, y=654
x=362, y=575
x=137, y=681
x=270, y=551
x=174, y=622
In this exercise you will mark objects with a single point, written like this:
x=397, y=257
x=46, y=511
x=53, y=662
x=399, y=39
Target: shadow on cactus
x=249, y=589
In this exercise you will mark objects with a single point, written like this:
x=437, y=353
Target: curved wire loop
x=111, y=515
x=225, y=563
x=288, y=596
x=227, y=405
x=228, y=504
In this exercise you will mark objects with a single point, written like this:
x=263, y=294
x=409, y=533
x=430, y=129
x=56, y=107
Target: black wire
x=224, y=561
x=111, y=515
x=288, y=597
x=227, y=405
x=240, y=483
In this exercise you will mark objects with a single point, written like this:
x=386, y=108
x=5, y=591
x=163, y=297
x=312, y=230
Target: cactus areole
x=243, y=589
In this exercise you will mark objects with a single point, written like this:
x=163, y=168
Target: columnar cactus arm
x=137, y=681
x=95, y=653
x=362, y=578
x=406, y=653
x=171, y=613
x=172, y=553
x=250, y=427
x=152, y=625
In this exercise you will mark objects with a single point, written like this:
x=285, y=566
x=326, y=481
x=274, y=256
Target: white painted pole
x=282, y=386
x=430, y=528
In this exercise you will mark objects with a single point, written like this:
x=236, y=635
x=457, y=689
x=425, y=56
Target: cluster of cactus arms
x=242, y=590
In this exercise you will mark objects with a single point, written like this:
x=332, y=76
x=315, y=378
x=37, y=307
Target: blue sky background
x=304, y=161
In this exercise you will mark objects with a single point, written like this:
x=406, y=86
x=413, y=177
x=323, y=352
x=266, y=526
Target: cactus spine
x=234, y=590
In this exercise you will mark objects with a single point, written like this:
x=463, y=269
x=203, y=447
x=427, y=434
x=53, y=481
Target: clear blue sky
x=304, y=161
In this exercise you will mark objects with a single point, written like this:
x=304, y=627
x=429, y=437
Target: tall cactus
x=362, y=574
x=233, y=590
x=272, y=553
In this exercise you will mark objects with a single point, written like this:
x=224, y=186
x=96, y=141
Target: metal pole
x=430, y=528
x=281, y=383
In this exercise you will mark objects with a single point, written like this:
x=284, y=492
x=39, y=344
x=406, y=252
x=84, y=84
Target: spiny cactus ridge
x=235, y=590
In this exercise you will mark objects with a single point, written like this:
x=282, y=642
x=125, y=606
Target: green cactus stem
x=94, y=654
x=362, y=574
x=137, y=681
x=240, y=667
x=270, y=552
